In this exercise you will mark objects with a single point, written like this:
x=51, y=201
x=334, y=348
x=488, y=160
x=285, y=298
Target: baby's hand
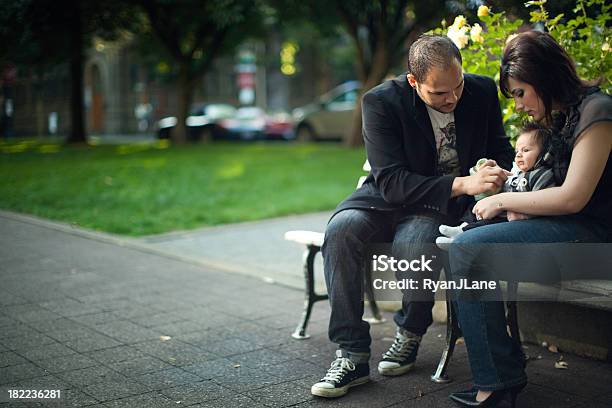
x=515, y=216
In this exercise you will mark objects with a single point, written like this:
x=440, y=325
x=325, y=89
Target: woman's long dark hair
x=536, y=58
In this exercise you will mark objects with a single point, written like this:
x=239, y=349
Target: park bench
x=313, y=241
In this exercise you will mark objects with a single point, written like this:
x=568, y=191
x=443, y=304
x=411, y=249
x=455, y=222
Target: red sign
x=246, y=80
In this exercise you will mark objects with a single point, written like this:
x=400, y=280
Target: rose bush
x=586, y=39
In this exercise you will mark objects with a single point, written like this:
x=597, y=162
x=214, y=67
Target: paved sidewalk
x=113, y=323
x=252, y=248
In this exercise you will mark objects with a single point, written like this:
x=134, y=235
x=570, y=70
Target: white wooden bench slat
x=305, y=237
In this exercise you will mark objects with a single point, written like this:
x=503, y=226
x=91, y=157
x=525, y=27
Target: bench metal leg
x=512, y=316
x=310, y=295
x=453, y=332
x=377, y=317
x=511, y=312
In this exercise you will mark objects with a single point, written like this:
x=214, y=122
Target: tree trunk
x=354, y=137
x=380, y=67
x=179, y=133
x=77, y=131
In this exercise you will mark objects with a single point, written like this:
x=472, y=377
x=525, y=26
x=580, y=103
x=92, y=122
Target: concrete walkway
x=120, y=323
x=252, y=248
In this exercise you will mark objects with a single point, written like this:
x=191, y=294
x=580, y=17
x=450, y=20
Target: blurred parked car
x=202, y=123
x=330, y=116
x=250, y=123
x=280, y=125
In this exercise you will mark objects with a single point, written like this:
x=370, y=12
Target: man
x=422, y=131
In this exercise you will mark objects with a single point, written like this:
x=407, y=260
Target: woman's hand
x=515, y=216
x=487, y=208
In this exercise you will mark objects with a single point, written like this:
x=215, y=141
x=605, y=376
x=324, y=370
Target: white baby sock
x=444, y=242
x=451, y=232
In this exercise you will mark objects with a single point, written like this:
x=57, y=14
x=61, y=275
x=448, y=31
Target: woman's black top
x=595, y=107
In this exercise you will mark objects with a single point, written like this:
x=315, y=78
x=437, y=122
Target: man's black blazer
x=401, y=147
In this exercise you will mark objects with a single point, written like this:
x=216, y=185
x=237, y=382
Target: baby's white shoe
x=451, y=232
x=444, y=242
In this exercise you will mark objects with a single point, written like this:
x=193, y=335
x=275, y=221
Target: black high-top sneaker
x=342, y=375
x=400, y=357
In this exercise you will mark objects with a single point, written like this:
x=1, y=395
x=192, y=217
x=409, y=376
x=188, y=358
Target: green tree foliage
x=586, y=36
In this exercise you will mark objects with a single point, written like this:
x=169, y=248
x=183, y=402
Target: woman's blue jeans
x=496, y=360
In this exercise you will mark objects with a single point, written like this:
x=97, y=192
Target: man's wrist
x=458, y=187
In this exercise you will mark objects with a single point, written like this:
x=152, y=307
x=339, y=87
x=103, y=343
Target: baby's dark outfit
x=538, y=178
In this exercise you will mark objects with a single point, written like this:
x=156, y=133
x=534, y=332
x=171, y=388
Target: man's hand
x=489, y=178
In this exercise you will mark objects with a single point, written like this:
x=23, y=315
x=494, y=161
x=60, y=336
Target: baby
x=531, y=171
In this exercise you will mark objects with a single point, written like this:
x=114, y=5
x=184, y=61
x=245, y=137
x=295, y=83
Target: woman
x=541, y=78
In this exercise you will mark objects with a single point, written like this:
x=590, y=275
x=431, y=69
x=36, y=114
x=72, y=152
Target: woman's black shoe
x=500, y=398
x=465, y=394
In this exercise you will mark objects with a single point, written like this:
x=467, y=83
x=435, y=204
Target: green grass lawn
x=143, y=189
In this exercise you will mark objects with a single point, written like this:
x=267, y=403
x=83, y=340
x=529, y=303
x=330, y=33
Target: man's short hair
x=431, y=50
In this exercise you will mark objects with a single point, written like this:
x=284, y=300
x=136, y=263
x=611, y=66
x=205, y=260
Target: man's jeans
x=496, y=360
x=346, y=239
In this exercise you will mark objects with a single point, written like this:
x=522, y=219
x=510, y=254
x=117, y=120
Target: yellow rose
x=476, y=33
x=605, y=47
x=458, y=35
x=459, y=21
x=483, y=11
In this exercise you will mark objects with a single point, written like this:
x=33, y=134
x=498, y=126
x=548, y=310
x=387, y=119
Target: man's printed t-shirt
x=443, y=125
